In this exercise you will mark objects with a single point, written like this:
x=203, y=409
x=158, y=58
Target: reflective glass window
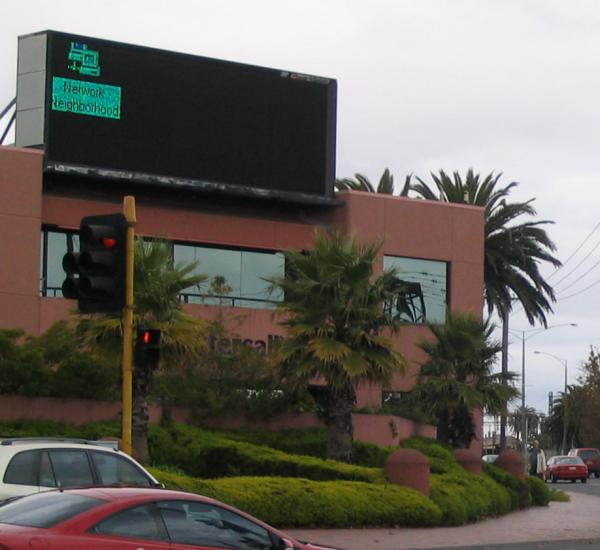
x=204, y=524
x=71, y=468
x=422, y=292
x=55, y=244
x=242, y=274
x=46, y=509
x=114, y=469
x=140, y=522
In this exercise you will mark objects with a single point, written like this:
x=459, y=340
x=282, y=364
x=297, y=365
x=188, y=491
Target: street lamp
x=563, y=362
x=524, y=336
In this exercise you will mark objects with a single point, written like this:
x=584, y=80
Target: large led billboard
x=133, y=113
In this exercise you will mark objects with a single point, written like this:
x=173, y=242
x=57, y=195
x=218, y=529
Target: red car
x=116, y=518
x=591, y=457
x=566, y=467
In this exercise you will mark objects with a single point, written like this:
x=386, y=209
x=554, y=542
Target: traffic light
x=96, y=274
x=147, y=347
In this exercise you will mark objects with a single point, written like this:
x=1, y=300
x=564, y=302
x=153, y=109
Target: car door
x=206, y=526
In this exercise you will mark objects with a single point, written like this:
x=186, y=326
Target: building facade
x=437, y=248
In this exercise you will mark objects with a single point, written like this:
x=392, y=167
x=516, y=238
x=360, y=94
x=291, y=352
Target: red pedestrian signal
x=147, y=348
x=96, y=274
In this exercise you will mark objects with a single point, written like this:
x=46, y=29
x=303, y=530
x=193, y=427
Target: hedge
x=520, y=493
x=464, y=497
x=201, y=453
x=287, y=502
x=540, y=494
x=309, y=442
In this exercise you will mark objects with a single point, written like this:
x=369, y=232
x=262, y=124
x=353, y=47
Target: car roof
x=37, y=442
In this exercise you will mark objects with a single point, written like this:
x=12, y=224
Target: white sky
x=498, y=85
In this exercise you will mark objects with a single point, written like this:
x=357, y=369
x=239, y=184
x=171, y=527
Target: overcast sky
x=508, y=86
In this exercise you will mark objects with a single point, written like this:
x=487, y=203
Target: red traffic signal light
x=147, y=348
x=96, y=274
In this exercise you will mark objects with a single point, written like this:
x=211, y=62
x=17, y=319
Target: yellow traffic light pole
x=129, y=212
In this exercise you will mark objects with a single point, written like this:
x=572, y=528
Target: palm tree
x=333, y=310
x=513, y=251
x=458, y=378
x=362, y=183
x=158, y=284
x=533, y=422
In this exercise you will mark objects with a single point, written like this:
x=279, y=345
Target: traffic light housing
x=147, y=348
x=96, y=274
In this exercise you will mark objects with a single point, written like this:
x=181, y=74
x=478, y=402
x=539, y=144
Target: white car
x=33, y=465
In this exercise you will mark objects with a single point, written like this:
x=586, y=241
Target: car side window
x=47, y=478
x=589, y=455
x=71, y=467
x=204, y=524
x=114, y=469
x=22, y=469
x=140, y=522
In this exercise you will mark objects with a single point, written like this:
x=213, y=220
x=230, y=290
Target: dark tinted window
x=71, y=468
x=22, y=469
x=589, y=455
x=141, y=522
x=203, y=524
x=113, y=469
x=46, y=509
x=46, y=473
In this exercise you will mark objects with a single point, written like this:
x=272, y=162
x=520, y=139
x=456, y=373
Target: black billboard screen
x=139, y=110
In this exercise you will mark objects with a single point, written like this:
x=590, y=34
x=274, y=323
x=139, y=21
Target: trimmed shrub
x=540, y=494
x=309, y=442
x=205, y=454
x=520, y=494
x=466, y=497
x=286, y=502
x=441, y=458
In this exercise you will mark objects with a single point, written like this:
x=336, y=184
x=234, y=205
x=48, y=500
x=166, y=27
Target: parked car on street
x=33, y=465
x=591, y=457
x=569, y=468
x=134, y=518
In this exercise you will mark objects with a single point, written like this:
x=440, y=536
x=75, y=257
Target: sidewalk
x=560, y=521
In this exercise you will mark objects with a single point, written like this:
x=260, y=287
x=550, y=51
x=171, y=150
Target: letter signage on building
x=140, y=115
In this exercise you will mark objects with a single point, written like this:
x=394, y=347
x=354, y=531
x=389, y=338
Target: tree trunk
x=338, y=419
x=139, y=416
x=503, y=414
x=443, y=428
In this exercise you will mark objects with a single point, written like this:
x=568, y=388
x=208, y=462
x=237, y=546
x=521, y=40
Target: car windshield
x=46, y=509
x=568, y=460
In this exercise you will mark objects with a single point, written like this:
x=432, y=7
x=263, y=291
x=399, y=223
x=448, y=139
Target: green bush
x=300, y=441
x=286, y=502
x=520, y=493
x=201, y=453
x=540, y=494
x=466, y=497
x=441, y=458
x=309, y=442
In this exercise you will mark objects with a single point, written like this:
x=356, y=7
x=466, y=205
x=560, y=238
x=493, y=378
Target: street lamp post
x=525, y=335
x=564, y=363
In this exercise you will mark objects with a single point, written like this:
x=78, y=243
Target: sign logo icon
x=83, y=60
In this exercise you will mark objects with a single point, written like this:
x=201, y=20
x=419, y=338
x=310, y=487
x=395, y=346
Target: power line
x=575, y=252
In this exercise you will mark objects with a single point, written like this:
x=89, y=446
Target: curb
x=573, y=544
